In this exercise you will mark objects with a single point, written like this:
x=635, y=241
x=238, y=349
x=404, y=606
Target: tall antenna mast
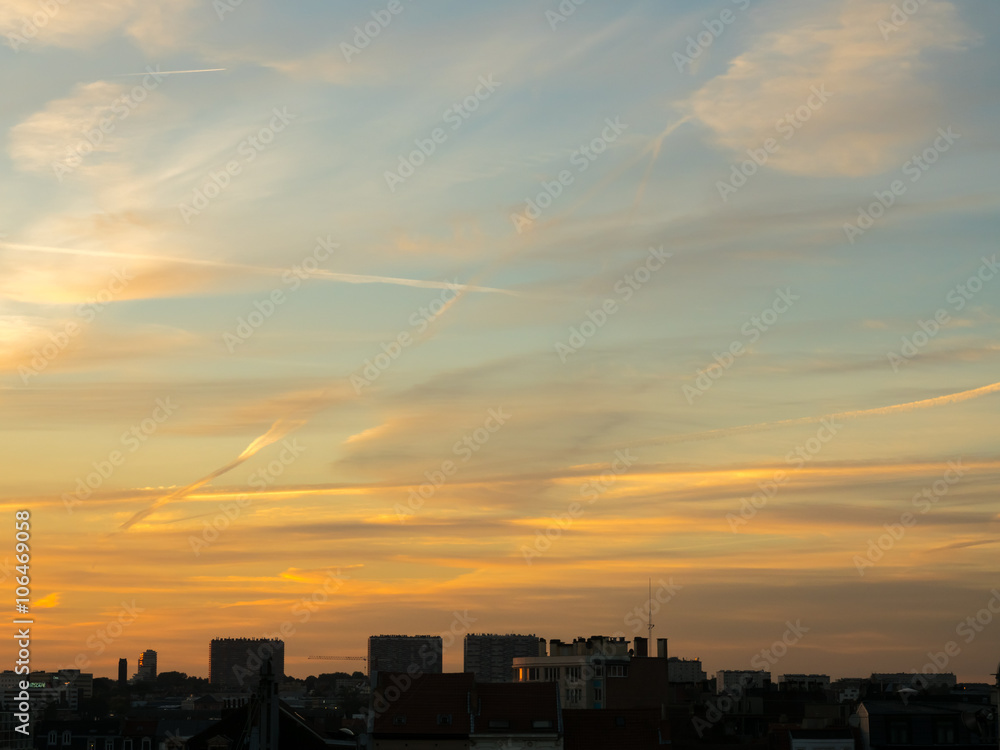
x=649, y=608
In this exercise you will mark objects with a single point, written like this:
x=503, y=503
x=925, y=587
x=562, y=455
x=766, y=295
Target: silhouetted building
x=122, y=671
x=147, y=667
x=685, y=670
x=893, y=681
x=453, y=711
x=803, y=682
x=889, y=724
x=491, y=657
x=234, y=663
x=416, y=654
x=266, y=721
x=727, y=680
x=599, y=672
x=635, y=729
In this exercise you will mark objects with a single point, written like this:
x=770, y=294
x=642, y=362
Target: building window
x=618, y=670
x=67, y=737
x=541, y=724
x=573, y=674
x=109, y=744
x=598, y=670
x=598, y=694
x=574, y=695
x=127, y=745
x=147, y=743
x=53, y=737
x=899, y=732
x=944, y=733
x=399, y=720
x=550, y=674
x=444, y=720
x=499, y=724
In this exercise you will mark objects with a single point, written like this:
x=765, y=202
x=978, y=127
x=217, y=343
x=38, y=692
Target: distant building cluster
x=516, y=691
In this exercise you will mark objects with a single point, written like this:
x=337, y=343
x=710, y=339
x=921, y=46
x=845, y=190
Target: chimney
x=640, y=646
x=661, y=648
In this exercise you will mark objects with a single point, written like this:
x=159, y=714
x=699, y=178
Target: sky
x=337, y=319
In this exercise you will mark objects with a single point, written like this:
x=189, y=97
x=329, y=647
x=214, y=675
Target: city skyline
x=322, y=322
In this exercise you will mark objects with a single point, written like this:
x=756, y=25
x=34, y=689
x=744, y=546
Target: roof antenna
x=649, y=608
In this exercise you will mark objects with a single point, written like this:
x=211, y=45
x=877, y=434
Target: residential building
x=147, y=667
x=803, y=682
x=416, y=654
x=234, y=663
x=453, y=711
x=491, y=657
x=728, y=680
x=685, y=670
x=898, y=725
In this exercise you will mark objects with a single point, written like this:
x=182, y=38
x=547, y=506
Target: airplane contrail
x=168, y=72
x=927, y=403
x=348, y=278
x=281, y=428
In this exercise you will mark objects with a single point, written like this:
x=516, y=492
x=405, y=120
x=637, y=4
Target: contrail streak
x=168, y=72
x=927, y=403
x=276, y=432
x=348, y=278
